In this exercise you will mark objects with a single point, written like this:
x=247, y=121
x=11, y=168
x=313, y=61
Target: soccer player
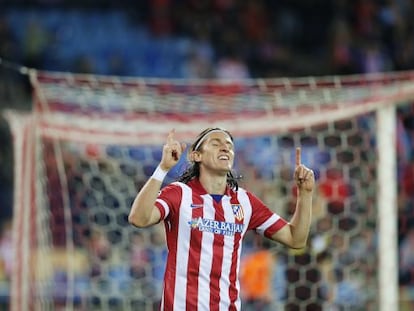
x=206, y=215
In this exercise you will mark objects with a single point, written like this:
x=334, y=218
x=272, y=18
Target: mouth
x=224, y=157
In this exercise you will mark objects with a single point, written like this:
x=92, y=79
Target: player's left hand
x=304, y=177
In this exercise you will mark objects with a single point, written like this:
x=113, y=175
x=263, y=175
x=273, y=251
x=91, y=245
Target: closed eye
x=215, y=142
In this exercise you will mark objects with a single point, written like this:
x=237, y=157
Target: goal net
x=91, y=142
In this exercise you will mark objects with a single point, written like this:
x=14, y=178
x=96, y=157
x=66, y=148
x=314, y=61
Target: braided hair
x=193, y=170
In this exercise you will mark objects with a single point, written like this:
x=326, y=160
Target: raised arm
x=143, y=212
x=295, y=234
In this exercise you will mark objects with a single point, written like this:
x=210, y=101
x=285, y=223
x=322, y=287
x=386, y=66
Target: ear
x=195, y=156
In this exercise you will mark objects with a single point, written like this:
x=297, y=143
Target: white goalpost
x=387, y=209
x=92, y=141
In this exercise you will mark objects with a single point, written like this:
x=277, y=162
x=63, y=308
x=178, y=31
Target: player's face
x=217, y=153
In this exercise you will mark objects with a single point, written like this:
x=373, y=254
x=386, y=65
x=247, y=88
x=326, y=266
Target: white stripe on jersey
x=247, y=207
x=261, y=229
x=164, y=205
x=227, y=253
x=206, y=258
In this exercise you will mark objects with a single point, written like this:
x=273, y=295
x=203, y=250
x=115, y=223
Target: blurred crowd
x=219, y=38
x=225, y=39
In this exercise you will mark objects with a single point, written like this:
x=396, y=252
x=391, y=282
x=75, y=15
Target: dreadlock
x=193, y=170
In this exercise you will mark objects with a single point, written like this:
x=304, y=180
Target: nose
x=224, y=147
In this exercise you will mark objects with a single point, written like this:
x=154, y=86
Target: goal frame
x=386, y=196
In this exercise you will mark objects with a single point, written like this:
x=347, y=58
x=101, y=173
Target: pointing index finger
x=298, y=155
x=170, y=137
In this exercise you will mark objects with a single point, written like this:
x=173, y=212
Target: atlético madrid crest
x=238, y=211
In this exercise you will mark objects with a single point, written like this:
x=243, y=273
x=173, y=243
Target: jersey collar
x=198, y=187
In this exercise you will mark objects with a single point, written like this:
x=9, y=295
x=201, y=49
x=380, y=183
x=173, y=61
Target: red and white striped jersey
x=204, y=240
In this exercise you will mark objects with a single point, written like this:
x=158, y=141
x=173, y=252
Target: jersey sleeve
x=263, y=220
x=168, y=200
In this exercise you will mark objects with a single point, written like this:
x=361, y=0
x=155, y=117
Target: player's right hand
x=171, y=152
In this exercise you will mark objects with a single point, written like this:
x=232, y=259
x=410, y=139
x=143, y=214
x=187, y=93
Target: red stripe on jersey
x=194, y=258
x=275, y=227
x=216, y=265
x=162, y=211
x=233, y=291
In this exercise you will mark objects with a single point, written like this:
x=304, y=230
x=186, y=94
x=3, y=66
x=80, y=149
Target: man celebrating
x=206, y=215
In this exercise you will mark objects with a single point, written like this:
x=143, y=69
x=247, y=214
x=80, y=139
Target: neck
x=214, y=184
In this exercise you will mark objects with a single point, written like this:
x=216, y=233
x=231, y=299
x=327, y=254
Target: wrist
x=159, y=174
x=305, y=193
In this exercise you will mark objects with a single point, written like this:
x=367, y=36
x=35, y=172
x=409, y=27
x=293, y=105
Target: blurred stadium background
x=220, y=39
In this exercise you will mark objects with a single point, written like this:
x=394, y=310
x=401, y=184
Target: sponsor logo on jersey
x=215, y=226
